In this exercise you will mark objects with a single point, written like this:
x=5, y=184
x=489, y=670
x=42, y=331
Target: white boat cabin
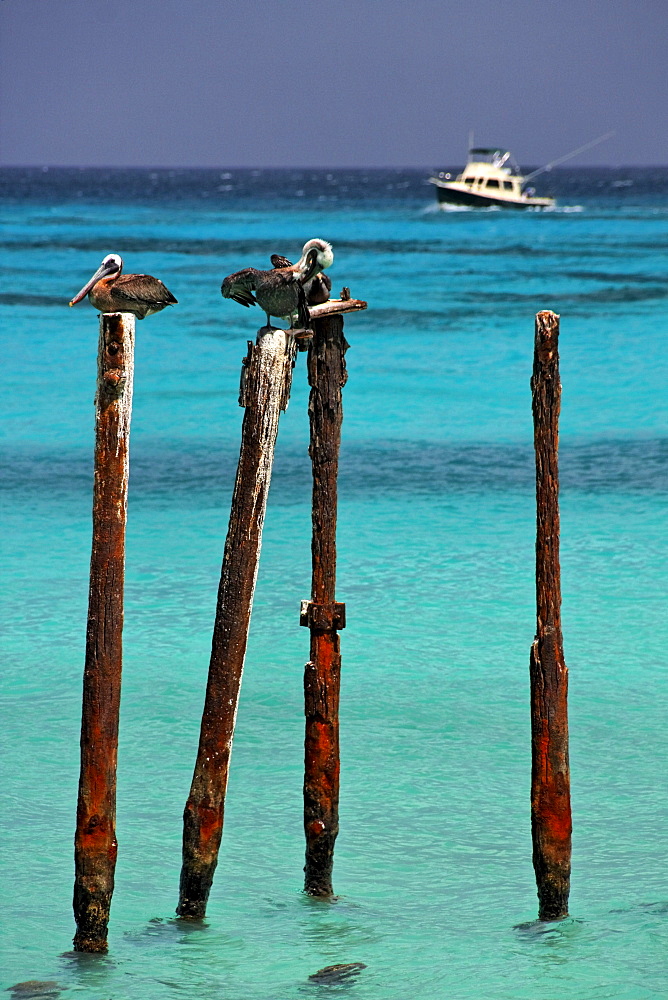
x=491, y=172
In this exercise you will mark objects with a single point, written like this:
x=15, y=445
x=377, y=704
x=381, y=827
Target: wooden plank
x=335, y=306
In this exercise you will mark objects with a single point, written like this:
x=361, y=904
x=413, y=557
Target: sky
x=378, y=83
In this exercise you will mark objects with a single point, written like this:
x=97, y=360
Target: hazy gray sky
x=344, y=83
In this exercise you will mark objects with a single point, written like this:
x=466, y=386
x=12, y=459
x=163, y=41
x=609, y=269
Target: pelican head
x=112, y=264
x=325, y=252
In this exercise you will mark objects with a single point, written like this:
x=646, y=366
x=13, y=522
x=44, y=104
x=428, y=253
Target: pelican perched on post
x=280, y=292
x=318, y=288
x=110, y=291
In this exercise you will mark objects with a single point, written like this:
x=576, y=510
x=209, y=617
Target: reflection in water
x=34, y=988
x=337, y=973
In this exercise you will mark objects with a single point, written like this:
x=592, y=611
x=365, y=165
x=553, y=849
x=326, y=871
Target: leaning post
x=95, y=838
x=323, y=615
x=265, y=389
x=550, y=775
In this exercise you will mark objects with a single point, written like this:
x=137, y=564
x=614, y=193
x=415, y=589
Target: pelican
x=280, y=292
x=317, y=289
x=110, y=291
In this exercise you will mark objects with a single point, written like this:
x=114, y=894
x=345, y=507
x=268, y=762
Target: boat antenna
x=470, y=139
x=568, y=156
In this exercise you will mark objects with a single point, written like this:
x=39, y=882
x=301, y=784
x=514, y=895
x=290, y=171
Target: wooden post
x=95, y=838
x=322, y=614
x=265, y=389
x=550, y=776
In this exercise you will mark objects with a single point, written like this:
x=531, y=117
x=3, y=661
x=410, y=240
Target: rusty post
x=550, y=776
x=95, y=838
x=322, y=614
x=265, y=389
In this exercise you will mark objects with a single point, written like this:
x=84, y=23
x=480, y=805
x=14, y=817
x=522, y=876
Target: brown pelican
x=280, y=292
x=316, y=290
x=110, y=291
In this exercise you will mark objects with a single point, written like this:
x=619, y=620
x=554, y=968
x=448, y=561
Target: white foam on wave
x=435, y=209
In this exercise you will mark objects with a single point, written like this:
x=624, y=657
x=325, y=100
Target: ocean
x=435, y=887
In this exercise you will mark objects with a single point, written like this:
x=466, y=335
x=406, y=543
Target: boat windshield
x=494, y=156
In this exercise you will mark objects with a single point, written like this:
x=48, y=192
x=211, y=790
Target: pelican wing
x=240, y=286
x=278, y=261
x=143, y=288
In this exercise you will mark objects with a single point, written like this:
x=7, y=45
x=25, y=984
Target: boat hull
x=449, y=195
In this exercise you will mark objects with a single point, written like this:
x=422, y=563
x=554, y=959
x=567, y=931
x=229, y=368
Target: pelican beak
x=100, y=273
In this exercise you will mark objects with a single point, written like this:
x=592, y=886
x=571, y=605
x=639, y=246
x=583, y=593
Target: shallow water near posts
x=436, y=894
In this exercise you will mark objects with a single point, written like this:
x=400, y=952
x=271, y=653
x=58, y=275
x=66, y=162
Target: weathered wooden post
x=265, y=390
x=323, y=615
x=550, y=776
x=95, y=838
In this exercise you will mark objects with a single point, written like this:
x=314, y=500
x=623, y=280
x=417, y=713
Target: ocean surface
x=436, y=892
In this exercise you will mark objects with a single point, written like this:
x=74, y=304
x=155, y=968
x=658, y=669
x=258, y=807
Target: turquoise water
x=433, y=862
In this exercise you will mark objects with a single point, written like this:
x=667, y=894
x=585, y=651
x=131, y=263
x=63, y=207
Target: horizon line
x=153, y=166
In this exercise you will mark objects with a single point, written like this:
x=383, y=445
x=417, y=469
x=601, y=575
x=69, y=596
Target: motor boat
x=491, y=178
